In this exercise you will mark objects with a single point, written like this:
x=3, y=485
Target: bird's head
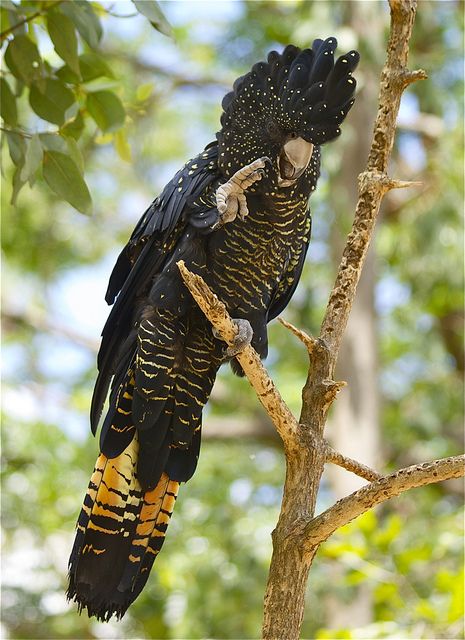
x=285, y=109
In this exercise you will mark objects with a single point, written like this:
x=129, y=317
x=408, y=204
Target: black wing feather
x=149, y=246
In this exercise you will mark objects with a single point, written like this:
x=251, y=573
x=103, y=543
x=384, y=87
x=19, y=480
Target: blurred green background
x=397, y=572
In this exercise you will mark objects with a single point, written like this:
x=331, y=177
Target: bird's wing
x=290, y=278
x=150, y=245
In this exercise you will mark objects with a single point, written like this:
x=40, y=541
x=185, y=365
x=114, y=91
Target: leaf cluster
x=56, y=74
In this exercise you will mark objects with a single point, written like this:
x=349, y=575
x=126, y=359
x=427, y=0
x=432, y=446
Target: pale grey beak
x=293, y=160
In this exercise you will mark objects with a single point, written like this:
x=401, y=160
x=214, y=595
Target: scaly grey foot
x=230, y=197
x=242, y=338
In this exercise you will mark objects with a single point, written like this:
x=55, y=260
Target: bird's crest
x=304, y=91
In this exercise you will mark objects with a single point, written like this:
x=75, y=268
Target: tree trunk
x=353, y=427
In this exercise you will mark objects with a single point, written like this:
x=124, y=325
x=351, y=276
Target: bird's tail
x=120, y=531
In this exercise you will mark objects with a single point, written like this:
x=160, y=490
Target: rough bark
x=320, y=528
x=296, y=543
x=319, y=390
x=354, y=425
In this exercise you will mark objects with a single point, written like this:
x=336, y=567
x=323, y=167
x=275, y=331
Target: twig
x=177, y=78
x=12, y=321
x=33, y=16
x=318, y=529
x=307, y=340
x=16, y=132
x=351, y=465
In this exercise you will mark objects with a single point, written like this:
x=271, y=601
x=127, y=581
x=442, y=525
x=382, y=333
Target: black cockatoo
x=238, y=215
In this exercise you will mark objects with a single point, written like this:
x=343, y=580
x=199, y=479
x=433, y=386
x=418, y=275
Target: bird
x=237, y=214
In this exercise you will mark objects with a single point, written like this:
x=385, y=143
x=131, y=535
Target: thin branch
x=269, y=396
x=12, y=321
x=16, y=132
x=318, y=529
x=177, y=78
x=307, y=340
x=351, y=465
x=426, y=124
x=409, y=77
x=33, y=16
x=374, y=182
x=120, y=15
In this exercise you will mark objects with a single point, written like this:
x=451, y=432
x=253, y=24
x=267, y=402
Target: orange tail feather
x=120, y=531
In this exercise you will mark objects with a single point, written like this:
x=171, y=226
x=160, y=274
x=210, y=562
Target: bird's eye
x=272, y=129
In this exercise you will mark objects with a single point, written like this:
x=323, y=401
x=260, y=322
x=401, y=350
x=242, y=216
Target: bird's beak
x=293, y=160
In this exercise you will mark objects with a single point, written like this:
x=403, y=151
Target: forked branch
x=298, y=533
x=319, y=529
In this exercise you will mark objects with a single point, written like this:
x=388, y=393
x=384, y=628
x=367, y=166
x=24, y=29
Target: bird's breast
x=248, y=258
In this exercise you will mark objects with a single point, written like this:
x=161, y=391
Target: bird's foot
x=230, y=197
x=242, y=338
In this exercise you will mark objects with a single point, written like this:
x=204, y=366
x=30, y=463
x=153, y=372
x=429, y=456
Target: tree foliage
x=55, y=69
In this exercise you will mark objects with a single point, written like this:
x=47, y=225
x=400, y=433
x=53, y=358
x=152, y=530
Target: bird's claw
x=242, y=338
x=230, y=197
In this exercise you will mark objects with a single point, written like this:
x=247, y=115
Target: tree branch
x=295, y=542
x=350, y=464
x=249, y=360
x=318, y=529
x=35, y=322
x=27, y=19
x=176, y=77
x=307, y=533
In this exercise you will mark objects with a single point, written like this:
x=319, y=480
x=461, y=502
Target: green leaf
x=122, y=146
x=106, y=109
x=11, y=17
x=85, y=20
x=92, y=66
x=71, y=112
x=62, y=33
x=4, y=22
x=74, y=128
x=63, y=177
x=53, y=103
x=65, y=74
x=33, y=159
x=151, y=10
x=17, y=148
x=75, y=154
x=18, y=184
x=8, y=109
x=144, y=91
x=23, y=59
x=53, y=142
x=102, y=84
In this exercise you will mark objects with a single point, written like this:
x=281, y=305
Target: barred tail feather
x=120, y=531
